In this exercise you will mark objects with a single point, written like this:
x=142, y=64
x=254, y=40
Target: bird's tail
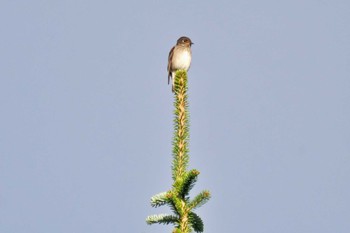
x=171, y=77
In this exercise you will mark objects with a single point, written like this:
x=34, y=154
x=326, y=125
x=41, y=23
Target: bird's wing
x=170, y=58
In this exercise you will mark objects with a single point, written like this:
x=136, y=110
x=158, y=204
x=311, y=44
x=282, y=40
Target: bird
x=179, y=58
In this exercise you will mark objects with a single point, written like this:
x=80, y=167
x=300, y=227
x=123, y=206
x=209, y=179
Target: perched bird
x=179, y=58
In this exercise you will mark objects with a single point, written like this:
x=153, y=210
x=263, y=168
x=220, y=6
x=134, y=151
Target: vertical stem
x=184, y=220
x=181, y=136
x=180, y=143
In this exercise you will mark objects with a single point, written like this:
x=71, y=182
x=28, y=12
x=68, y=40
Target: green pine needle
x=186, y=184
x=196, y=222
x=199, y=200
x=160, y=199
x=162, y=219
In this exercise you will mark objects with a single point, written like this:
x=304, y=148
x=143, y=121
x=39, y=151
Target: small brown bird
x=179, y=58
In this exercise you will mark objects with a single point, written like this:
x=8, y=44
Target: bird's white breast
x=182, y=61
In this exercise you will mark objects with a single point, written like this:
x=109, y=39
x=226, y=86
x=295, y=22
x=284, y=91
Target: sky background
x=86, y=114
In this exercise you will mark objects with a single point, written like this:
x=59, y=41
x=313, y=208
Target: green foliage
x=196, y=222
x=160, y=199
x=178, y=198
x=183, y=186
x=199, y=200
x=162, y=218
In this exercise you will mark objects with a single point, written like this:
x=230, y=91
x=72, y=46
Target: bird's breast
x=182, y=60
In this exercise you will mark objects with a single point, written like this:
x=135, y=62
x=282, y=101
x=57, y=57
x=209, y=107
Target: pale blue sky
x=86, y=114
